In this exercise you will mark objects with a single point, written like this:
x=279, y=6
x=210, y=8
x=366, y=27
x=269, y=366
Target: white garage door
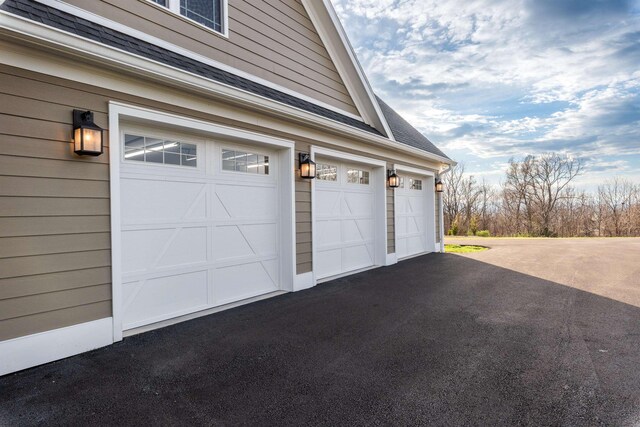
x=412, y=216
x=199, y=225
x=345, y=218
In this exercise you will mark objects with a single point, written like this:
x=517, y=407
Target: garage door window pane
x=242, y=161
x=356, y=176
x=325, y=172
x=160, y=151
x=415, y=184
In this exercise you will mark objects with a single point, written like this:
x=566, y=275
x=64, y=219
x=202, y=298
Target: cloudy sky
x=487, y=80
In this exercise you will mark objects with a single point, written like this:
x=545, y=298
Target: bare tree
x=617, y=197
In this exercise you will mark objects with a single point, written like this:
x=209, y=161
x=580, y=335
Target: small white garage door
x=199, y=225
x=345, y=218
x=414, y=216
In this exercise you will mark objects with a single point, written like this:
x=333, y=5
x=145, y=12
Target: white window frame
x=174, y=7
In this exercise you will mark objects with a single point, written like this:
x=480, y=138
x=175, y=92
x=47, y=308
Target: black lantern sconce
x=439, y=186
x=87, y=136
x=307, y=166
x=393, y=178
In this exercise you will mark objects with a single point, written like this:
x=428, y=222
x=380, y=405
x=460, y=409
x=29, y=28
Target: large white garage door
x=413, y=216
x=345, y=218
x=199, y=225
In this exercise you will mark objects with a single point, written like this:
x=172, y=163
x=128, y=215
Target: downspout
x=441, y=210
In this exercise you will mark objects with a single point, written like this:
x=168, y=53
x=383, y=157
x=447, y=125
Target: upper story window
x=210, y=13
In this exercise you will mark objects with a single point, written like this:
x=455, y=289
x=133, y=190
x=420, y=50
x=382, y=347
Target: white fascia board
x=416, y=171
x=127, y=63
x=84, y=14
x=351, y=71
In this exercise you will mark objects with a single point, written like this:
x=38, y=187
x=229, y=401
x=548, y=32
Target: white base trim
x=392, y=259
x=304, y=281
x=32, y=350
x=190, y=316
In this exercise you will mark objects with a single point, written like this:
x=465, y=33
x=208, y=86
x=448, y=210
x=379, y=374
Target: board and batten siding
x=271, y=39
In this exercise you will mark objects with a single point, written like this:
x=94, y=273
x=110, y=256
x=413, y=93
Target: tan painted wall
x=54, y=206
x=272, y=39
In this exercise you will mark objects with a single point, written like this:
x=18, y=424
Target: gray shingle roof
x=38, y=12
x=405, y=133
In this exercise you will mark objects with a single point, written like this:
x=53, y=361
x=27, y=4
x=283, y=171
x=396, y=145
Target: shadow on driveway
x=440, y=339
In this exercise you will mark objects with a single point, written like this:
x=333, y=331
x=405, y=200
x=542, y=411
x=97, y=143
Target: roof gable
x=334, y=37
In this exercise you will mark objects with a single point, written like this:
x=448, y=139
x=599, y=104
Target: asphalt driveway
x=438, y=340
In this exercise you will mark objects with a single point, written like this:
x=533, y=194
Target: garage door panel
x=243, y=201
x=329, y=262
x=148, y=249
x=415, y=205
x=357, y=230
x=329, y=232
x=153, y=300
x=196, y=238
x=327, y=202
x=412, y=218
x=356, y=257
x=356, y=203
x=344, y=215
x=243, y=281
x=415, y=244
x=235, y=241
x=153, y=201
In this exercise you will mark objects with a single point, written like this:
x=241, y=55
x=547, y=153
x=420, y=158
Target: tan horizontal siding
x=49, y=320
x=53, y=244
x=267, y=40
x=45, y=225
x=52, y=263
x=34, y=304
x=52, y=206
x=53, y=282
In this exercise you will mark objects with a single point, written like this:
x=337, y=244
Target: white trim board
x=304, y=281
x=89, y=16
x=32, y=350
x=119, y=112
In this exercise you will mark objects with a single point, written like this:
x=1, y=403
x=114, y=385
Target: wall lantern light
x=439, y=185
x=307, y=166
x=393, y=178
x=87, y=136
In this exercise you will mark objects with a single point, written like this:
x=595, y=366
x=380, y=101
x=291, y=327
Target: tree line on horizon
x=537, y=198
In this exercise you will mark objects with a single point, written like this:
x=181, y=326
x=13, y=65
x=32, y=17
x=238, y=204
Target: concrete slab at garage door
x=199, y=224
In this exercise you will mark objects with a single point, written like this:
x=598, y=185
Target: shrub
x=483, y=233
